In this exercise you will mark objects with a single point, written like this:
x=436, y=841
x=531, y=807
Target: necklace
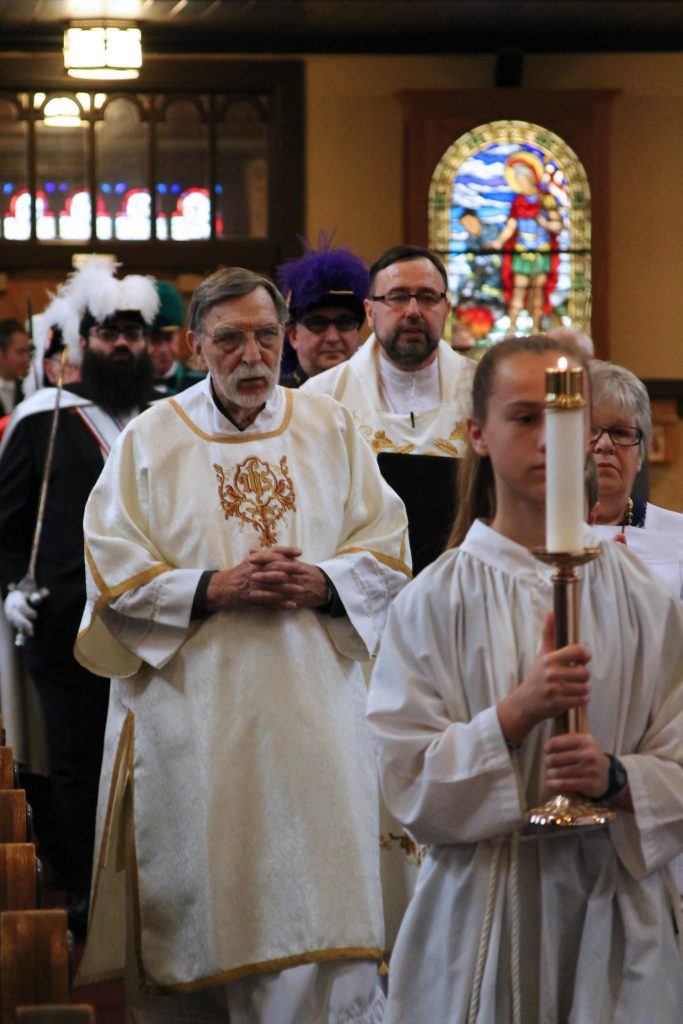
x=628, y=514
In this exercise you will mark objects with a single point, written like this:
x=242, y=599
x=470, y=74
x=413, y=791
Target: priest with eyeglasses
x=242, y=549
x=406, y=389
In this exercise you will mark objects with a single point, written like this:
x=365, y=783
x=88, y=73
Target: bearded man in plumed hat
x=104, y=321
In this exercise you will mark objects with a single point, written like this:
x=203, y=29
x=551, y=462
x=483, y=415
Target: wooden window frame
x=281, y=80
x=434, y=119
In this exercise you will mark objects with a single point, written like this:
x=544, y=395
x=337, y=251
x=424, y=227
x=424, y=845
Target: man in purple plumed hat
x=325, y=290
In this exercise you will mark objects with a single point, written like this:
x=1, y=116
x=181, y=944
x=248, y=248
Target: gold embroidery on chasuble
x=258, y=495
x=458, y=433
x=380, y=442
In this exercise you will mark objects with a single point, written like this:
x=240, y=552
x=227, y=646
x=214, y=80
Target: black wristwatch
x=616, y=780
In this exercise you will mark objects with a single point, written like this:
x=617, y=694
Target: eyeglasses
x=319, y=324
x=399, y=299
x=111, y=334
x=232, y=339
x=622, y=437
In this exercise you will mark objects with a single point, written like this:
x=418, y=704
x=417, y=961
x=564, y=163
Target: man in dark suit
x=15, y=359
x=107, y=320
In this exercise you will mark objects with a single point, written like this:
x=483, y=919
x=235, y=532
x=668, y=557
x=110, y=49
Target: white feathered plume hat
x=93, y=289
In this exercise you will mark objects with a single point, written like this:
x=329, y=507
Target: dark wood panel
x=434, y=119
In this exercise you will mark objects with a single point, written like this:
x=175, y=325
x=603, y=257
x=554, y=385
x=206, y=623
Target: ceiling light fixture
x=102, y=51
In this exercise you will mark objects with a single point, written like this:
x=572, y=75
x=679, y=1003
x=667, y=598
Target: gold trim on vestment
x=393, y=563
x=124, y=762
x=282, y=963
x=243, y=436
x=108, y=594
x=124, y=747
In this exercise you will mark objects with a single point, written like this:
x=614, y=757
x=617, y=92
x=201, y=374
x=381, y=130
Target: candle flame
x=562, y=363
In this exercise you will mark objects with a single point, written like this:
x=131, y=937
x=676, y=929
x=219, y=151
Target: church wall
x=354, y=168
x=354, y=184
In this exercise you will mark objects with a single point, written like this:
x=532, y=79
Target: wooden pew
x=34, y=944
x=76, y=1014
x=34, y=960
x=8, y=771
x=15, y=817
x=20, y=877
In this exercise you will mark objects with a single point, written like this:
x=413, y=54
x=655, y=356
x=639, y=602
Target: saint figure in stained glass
x=509, y=212
x=528, y=240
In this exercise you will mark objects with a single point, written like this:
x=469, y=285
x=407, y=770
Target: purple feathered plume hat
x=324, y=277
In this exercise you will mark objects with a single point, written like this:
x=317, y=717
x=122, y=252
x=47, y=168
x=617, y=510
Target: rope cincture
x=485, y=938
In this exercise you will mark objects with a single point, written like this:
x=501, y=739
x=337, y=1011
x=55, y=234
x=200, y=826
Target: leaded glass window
x=509, y=213
x=181, y=171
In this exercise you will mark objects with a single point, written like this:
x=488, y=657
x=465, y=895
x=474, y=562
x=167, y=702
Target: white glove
x=20, y=610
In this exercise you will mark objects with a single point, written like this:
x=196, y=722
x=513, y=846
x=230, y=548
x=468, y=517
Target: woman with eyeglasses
x=622, y=425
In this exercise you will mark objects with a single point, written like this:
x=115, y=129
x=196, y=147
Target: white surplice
x=439, y=430
x=581, y=925
x=240, y=738
x=659, y=542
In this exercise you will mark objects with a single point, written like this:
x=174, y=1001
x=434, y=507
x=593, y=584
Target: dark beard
x=408, y=355
x=117, y=384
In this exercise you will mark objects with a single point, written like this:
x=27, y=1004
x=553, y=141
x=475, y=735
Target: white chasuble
x=239, y=740
x=440, y=430
x=578, y=928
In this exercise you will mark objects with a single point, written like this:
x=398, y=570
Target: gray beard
x=228, y=384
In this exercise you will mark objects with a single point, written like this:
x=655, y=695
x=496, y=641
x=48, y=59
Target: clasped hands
x=273, y=578
x=558, y=680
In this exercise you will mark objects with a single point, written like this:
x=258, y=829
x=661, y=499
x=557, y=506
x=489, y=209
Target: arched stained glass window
x=509, y=213
x=242, y=168
x=183, y=172
x=62, y=193
x=124, y=208
x=15, y=211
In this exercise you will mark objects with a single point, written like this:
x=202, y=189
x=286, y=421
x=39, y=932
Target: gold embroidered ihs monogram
x=257, y=495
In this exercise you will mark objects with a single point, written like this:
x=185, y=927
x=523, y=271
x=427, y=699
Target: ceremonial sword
x=29, y=585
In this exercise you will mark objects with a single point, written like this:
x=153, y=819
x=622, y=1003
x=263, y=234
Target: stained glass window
x=164, y=167
x=509, y=213
x=242, y=169
x=183, y=172
x=62, y=202
x=15, y=205
x=122, y=172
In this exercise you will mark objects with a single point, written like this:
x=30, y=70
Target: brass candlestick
x=567, y=810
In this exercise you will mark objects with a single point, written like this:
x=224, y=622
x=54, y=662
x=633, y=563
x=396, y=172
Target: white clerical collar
x=406, y=391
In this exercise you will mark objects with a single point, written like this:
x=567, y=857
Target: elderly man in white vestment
x=242, y=549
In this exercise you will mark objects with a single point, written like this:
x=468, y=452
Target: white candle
x=564, y=458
